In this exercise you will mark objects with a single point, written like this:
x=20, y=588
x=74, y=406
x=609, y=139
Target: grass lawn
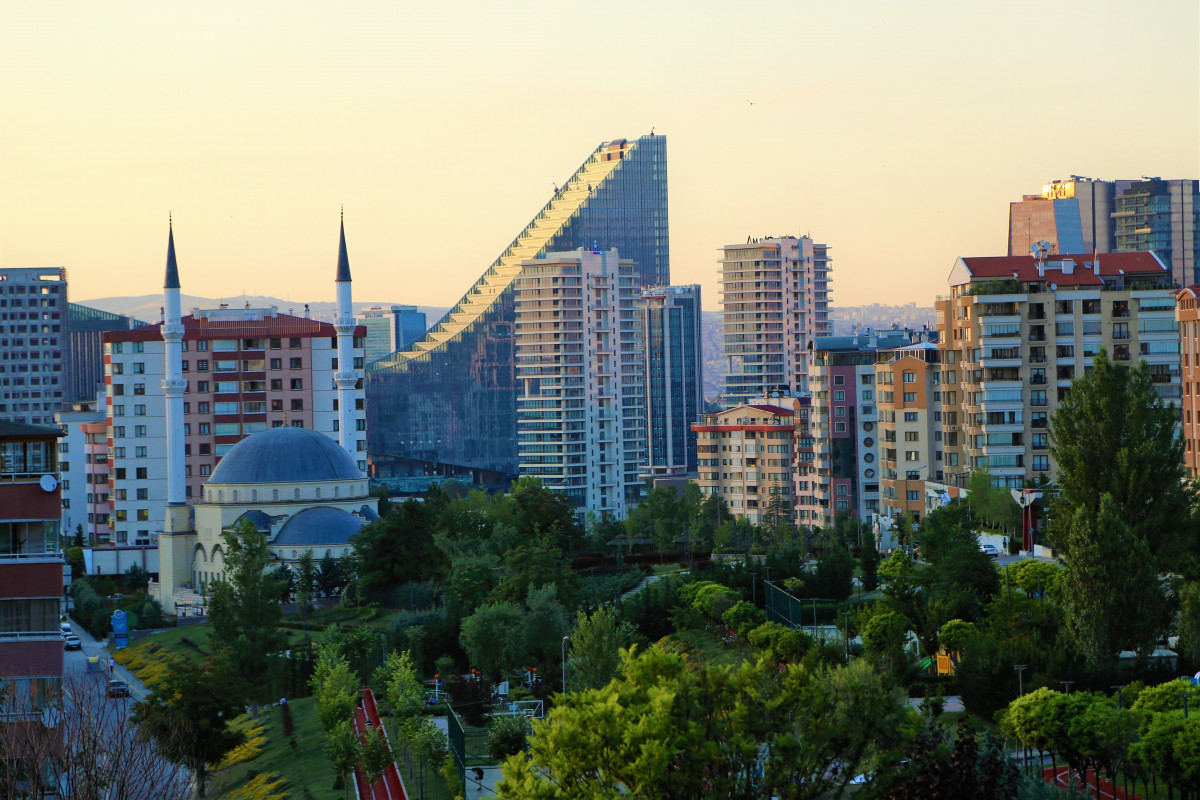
x=300, y=760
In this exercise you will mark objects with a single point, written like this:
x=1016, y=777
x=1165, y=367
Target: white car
x=990, y=549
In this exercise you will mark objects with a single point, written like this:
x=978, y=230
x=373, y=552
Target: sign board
x=120, y=629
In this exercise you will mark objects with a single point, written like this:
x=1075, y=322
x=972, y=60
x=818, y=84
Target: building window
x=202, y=366
x=912, y=455
x=276, y=363
x=910, y=397
x=203, y=408
x=139, y=411
x=296, y=363
x=911, y=416
x=139, y=452
x=910, y=377
x=297, y=384
x=297, y=404
x=142, y=473
x=840, y=394
x=839, y=411
x=1041, y=463
x=205, y=429
x=839, y=380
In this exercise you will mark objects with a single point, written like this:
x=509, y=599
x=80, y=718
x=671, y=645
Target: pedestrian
x=112, y=664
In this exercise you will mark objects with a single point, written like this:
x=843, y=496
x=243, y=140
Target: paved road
x=76, y=663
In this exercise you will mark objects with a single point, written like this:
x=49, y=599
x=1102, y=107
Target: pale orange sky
x=897, y=132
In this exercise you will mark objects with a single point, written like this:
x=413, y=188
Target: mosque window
x=274, y=494
x=254, y=495
x=235, y=495
x=297, y=494
x=318, y=492
x=220, y=497
x=336, y=491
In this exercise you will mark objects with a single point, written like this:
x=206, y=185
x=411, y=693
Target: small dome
x=322, y=525
x=285, y=455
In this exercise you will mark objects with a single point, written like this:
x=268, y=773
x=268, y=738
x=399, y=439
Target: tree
x=330, y=577
x=594, y=657
x=545, y=625
x=334, y=686
x=188, y=715
x=668, y=729
x=506, y=736
x=306, y=579
x=494, y=637
x=341, y=747
x=1114, y=435
x=1111, y=595
x=244, y=611
x=397, y=549
x=374, y=754
x=136, y=578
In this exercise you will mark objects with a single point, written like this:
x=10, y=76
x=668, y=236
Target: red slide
x=1061, y=777
x=390, y=786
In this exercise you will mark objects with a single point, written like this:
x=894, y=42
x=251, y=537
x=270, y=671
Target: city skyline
x=899, y=135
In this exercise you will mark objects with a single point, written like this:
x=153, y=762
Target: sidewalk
x=91, y=647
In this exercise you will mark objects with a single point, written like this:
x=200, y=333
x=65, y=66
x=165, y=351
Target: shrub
x=743, y=617
x=506, y=737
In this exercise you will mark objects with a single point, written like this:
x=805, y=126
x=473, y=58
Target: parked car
x=118, y=688
x=990, y=549
x=72, y=642
x=65, y=627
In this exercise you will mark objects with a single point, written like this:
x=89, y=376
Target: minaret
x=345, y=378
x=173, y=384
x=177, y=541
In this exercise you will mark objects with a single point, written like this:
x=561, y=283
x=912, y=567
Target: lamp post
x=565, y=639
x=1118, y=688
x=1020, y=668
x=1067, y=686
x=1185, y=695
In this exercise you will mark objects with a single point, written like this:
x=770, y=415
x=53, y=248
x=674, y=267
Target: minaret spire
x=172, y=279
x=346, y=377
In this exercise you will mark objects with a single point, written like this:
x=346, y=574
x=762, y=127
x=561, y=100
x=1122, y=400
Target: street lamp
x=565, y=639
x=1185, y=696
x=1118, y=687
x=1067, y=686
x=1020, y=668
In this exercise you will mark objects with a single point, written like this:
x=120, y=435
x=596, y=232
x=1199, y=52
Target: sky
x=895, y=132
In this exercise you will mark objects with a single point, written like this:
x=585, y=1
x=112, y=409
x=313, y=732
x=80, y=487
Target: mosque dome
x=285, y=455
x=321, y=525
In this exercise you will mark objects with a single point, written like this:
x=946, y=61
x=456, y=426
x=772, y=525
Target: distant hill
x=146, y=307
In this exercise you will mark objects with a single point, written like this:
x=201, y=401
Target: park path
x=390, y=786
x=1061, y=777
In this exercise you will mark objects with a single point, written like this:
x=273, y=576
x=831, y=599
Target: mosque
x=298, y=487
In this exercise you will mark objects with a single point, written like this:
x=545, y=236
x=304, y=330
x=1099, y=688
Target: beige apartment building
x=746, y=455
x=1187, y=314
x=908, y=392
x=1016, y=330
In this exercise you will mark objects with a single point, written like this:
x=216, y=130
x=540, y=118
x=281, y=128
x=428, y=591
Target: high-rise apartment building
x=746, y=455
x=577, y=363
x=33, y=318
x=844, y=423
x=1081, y=215
x=674, y=396
x=449, y=404
x=1016, y=330
x=31, y=587
x=242, y=370
x=909, y=445
x=1187, y=314
x=775, y=298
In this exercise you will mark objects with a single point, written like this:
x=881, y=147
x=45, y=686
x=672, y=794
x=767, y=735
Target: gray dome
x=323, y=525
x=285, y=455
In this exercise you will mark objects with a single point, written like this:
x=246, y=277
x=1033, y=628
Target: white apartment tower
x=775, y=299
x=578, y=364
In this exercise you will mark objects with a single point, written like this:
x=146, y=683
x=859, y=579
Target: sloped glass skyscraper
x=448, y=404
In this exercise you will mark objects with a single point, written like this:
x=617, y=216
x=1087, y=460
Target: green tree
x=667, y=729
x=341, y=747
x=136, y=578
x=594, y=658
x=494, y=637
x=244, y=611
x=306, y=579
x=1189, y=625
x=1111, y=595
x=506, y=736
x=545, y=623
x=334, y=686
x=1114, y=435
x=330, y=577
x=188, y=715
x=397, y=549
x=885, y=635
x=374, y=754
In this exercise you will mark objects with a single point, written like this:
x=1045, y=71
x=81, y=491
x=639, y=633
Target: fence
x=819, y=617
x=468, y=744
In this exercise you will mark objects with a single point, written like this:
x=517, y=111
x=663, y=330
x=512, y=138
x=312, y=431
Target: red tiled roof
x=1082, y=274
x=787, y=412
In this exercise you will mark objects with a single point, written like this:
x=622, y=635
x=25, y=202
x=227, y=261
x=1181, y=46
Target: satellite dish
x=48, y=483
x=1054, y=287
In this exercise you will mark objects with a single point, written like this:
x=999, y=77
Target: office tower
x=572, y=360
x=448, y=404
x=83, y=467
x=83, y=371
x=1187, y=315
x=33, y=312
x=1016, y=330
x=843, y=421
x=745, y=454
x=1161, y=216
x=239, y=370
x=408, y=326
x=1082, y=215
x=774, y=299
x=674, y=399
x=390, y=330
x=31, y=586
x=908, y=397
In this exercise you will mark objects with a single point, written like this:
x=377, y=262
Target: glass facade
x=673, y=367
x=448, y=404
